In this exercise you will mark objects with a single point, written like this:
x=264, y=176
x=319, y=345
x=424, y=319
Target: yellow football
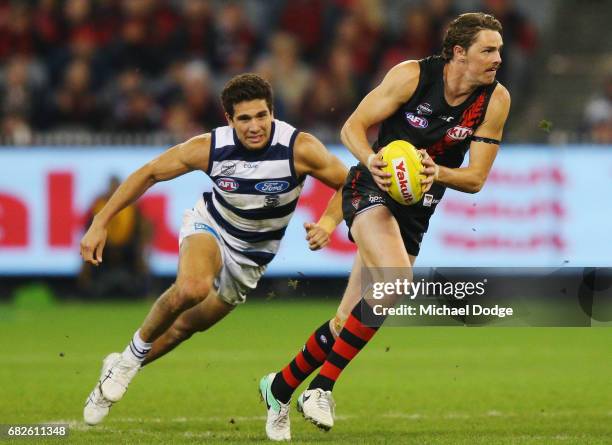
x=404, y=163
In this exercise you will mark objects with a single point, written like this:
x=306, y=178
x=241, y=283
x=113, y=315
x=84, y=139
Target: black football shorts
x=360, y=193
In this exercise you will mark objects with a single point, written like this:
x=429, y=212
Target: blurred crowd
x=149, y=66
x=598, y=114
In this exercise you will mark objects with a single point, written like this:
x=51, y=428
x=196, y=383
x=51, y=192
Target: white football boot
x=278, y=426
x=115, y=381
x=96, y=405
x=318, y=407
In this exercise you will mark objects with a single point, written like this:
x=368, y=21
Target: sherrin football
x=404, y=163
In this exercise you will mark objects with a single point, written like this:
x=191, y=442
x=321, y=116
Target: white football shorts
x=237, y=277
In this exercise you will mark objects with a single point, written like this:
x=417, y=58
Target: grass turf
x=410, y=385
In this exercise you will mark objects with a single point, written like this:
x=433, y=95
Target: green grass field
x=411, y=385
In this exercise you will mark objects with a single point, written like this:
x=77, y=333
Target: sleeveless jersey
x=255, y=192
x=428, y=121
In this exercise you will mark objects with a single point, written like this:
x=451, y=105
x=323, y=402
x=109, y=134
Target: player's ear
x=229, y=119
x=459, y=53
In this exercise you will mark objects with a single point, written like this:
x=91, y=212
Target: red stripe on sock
x=290, y=378
x=344, y=349
x=302, y=364
x=315, y=350
x=330, y=371
x=356, y=328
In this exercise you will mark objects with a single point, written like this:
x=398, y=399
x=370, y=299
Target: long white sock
x=137, y=349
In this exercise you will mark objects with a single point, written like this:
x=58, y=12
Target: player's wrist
x=436, y=172
x=369, y=160
x=99, y=221
x=327, y=223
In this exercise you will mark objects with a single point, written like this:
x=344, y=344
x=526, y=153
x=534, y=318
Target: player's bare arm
x=312, y=158
x=483, y=150
x=397, y=87
x=176, y=161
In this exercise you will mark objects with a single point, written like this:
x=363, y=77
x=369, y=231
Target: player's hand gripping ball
x=404, y=164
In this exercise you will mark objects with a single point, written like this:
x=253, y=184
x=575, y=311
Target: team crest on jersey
x=271, y=201
x=228, y=168
x=227, y=184
x=417, y=121
x=459, y=133
x=424, y=109
x=272, y=186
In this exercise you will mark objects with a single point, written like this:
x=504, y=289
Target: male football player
x=446, y=105
x=258, y=166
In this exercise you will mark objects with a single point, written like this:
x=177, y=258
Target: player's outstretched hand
x=376, y=165
x=429, y=170
x=316, y=236
x=92, y=244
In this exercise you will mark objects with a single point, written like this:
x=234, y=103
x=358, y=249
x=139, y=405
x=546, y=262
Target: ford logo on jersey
x=227, y=184
x=417, y=121
x=272, y=186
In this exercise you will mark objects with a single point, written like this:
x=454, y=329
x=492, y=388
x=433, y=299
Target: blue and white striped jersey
x=255, y=192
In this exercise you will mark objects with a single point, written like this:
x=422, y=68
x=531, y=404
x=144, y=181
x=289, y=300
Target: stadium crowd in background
x=598, y=114
x=156, y=66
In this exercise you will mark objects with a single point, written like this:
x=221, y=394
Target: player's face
x=253, y=123
x=483, y=57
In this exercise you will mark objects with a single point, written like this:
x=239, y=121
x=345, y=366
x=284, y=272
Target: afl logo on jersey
x=459, y=133
x=417, y=121
x=227, y=184
x=272, y=186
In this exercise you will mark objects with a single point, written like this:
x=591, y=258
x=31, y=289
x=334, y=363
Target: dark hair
x=245, y=87
x=463, y=31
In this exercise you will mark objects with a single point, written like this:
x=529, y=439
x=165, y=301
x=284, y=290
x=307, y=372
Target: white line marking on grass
x=456, y=416
x=200, y=435
x=79, y=425
x=73, y=425
x=411, y=416
x=211, y=434
x=187, y=419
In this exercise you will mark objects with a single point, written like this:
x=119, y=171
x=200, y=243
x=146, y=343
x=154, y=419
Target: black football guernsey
x=427, y=121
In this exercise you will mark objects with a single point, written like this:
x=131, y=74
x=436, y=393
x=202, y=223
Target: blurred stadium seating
x=149, y=71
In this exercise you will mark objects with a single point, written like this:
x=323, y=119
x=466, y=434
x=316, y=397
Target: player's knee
x=191, y=291
x=336, y=324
